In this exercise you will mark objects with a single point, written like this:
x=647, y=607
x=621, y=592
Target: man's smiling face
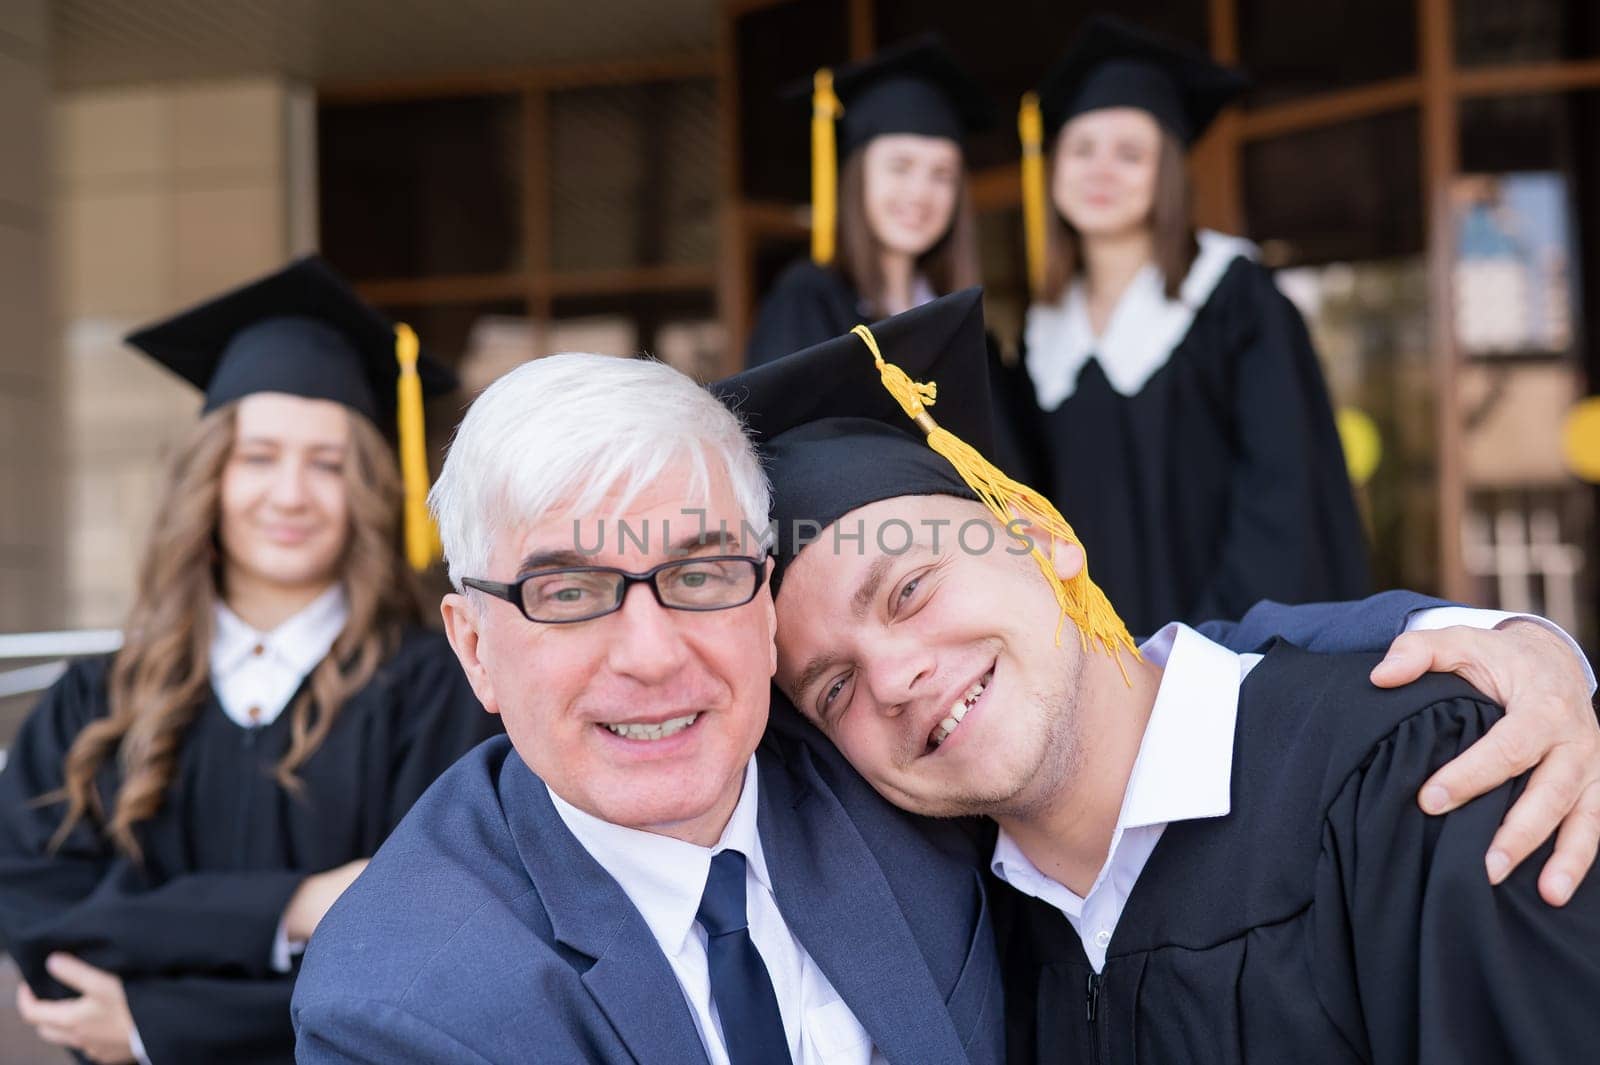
x=935, y=670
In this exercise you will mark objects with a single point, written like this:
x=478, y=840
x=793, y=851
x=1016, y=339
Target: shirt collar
x=1144, y=328
x=1184, y=769
x=297, y=644
x=663, y=877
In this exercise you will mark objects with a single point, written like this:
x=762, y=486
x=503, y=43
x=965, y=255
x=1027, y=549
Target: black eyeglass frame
x=511, y=591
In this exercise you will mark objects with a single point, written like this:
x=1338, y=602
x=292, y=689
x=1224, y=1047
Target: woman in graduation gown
x=1179, y=409
x=175, y=819
x=905, y=230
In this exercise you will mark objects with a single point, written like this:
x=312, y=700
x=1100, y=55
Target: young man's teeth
x=958, y=712
x=659, y=731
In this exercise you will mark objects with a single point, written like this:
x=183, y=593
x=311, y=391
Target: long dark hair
x=1174, y=246
x=949, y=266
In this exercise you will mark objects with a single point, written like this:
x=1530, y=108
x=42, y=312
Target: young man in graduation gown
x=175, y=818
x=1203, y=856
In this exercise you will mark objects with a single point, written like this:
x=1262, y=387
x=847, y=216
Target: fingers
x=1550, y=796
x=62, y=1013
x=1409, y=657
x=1576, y=845
x=78, y=974
x=1511, y=747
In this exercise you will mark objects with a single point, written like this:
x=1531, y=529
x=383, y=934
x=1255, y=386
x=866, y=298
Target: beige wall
x=31, y=519
x=166, y=194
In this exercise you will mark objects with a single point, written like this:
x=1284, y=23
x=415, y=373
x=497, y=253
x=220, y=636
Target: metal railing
x=47, y=655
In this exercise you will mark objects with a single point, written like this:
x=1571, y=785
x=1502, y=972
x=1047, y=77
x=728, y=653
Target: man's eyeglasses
x=582, y=593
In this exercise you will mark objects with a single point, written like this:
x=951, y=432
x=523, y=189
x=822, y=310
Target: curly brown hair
x=160, y=679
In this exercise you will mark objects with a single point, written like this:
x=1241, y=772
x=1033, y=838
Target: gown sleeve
x=807, y=305
x=1292, y=531
x=200, y=1018
x=87, y=899
x=1369, y=624
x=442, y=720
x=1417, y=957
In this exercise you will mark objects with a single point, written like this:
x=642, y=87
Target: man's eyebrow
x=553, y=559
x=701, y=540
x=813, y=672
x=867, y=590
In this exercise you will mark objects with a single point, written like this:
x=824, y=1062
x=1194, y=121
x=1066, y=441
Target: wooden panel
x=572, y=76
x=1331, y=109
x=459, y=289
x=1530, y=78
x=643, y=279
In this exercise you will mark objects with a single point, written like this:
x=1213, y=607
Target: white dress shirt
x=665, y=879
x=1184, y=769
x=255, y=674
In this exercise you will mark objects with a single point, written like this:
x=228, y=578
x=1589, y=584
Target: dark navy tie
x=752, y=1027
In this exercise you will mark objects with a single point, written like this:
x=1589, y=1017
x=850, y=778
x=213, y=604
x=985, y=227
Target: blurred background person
x=1181, y=411
x=903, y=232
x=175, y=819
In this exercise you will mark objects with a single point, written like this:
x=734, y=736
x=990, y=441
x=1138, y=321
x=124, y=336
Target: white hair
x=570, y=430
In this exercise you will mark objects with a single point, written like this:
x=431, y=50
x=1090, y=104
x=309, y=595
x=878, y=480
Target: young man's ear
x=462, y=624
x=1066, y=558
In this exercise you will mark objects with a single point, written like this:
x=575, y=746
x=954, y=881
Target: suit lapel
x=838, y=904
x=631, y=980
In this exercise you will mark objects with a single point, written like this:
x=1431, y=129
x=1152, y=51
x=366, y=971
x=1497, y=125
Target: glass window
x=779, y=47
x=633, y=177
x=1298, y=50
x=421, y=188
x=1489, y=32
x=1338, y=194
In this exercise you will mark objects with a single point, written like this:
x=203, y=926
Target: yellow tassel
x=1079, y=598
x=1030, y=126
x=422, y=539
x=825, y=111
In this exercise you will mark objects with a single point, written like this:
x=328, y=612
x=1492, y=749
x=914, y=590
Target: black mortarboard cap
x=1113, y=63
x=301, y=330
x=913, y=87
x=833, y=439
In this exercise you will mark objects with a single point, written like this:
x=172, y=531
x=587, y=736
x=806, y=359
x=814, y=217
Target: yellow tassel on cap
x=1030, y=126
x=422, y=539
x=1079, y=598
x=825, y=111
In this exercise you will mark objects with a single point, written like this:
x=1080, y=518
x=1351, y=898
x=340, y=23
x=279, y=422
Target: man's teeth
x=658, y=731
x=958, y=712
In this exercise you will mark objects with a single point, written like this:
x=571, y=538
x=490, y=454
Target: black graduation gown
x=1325, y=919
x=806, y=305
x=1221, y=482
x=191, y=931
x=809, y=304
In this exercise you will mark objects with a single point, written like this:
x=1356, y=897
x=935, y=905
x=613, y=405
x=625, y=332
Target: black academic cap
x=913, y=87
x=301, y=330
x=1117, y=64
x=834, y=439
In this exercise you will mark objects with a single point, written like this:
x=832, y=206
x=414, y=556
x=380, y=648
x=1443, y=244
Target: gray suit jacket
x=483, y=932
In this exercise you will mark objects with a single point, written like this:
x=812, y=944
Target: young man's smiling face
x=935, y=670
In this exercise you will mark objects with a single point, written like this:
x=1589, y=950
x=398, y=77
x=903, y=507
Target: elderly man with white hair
x=649, y=867
x=642, y=870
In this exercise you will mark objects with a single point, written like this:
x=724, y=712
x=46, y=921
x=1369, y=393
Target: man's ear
x=770, y=606
x=463, y=625
x=1067, y=559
